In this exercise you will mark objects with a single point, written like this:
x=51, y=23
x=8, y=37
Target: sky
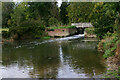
x=17, y=0
x=59, y=2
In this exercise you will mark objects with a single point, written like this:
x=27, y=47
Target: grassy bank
x=108, y=45
x=61, y=27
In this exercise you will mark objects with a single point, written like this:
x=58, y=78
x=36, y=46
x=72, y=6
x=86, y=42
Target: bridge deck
x=82, y=25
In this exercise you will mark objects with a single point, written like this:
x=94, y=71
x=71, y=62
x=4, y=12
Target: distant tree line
x=35, y=16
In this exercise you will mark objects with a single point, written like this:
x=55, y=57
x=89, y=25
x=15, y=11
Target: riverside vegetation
x=107, y=29
x=29, y=20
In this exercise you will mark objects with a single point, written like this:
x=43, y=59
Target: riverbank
x=89, y=33
x=113, y=67
x=113, y=63
x=110, y=49
x=7, y=40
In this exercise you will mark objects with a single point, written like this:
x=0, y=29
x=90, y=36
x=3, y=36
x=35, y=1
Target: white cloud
x=59, y=3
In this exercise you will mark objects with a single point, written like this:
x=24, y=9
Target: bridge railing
x=82, y=25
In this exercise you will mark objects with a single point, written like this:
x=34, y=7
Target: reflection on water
x=57, y=59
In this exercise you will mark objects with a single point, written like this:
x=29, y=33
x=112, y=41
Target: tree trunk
x=118, y=49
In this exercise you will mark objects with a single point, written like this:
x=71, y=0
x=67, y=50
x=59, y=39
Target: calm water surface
x=71, y=57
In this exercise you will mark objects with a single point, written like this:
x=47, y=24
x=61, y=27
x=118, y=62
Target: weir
x=64, y=32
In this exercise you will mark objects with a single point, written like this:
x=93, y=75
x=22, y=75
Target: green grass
x=46, y=37
x=110, y=74
x=64, y=27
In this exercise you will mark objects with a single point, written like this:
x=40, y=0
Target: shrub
x=53, y=21
x=5, y=34
x=109, y=45
x=89, y=30
x=32, y=31
x=113, y=73
x=109, y=52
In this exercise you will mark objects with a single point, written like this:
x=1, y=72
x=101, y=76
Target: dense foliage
x=109, y=45
x=31, y=18
x=90, y=30
x=103, y=18
x=53, y=21
x=79, y=12
x=63, y=13
x=7, y=9
x=106, y=20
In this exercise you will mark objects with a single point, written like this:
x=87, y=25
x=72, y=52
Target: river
x=69, y=57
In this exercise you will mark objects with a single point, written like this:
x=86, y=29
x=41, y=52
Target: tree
x=80, y=12
x=7, y=9
x=53, y=21
x=103, y=18
x=63, y=13
x=19, y=15
x=32, y=18
x=54, y=11
x=25, y=22
x=44, y=11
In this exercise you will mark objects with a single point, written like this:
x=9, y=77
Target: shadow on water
x=58, y=58
x=84, y=58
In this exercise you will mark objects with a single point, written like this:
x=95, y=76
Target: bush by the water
x=54, y=22
x=108, y=45
x=115, y=74
x=89, y=30
x=27, y=32
x=5, y=34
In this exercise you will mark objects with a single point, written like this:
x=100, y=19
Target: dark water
x=61, y=58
